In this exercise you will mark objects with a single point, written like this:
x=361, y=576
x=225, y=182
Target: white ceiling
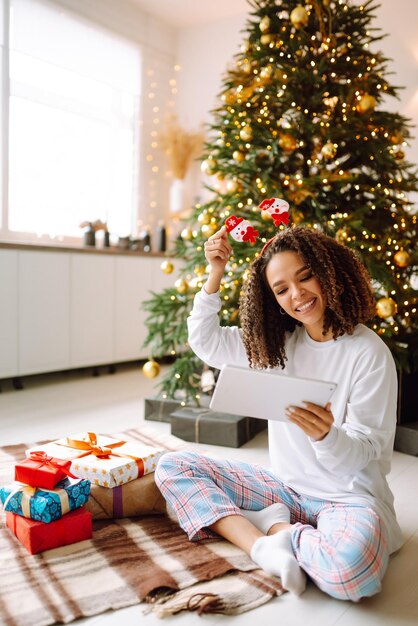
x=181, y=13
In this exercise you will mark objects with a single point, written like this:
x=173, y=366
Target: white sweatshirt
x=351, y=463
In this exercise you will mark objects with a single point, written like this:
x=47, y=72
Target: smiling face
x=297, y=291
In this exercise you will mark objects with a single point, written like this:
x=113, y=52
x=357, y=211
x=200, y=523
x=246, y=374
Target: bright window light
x=73, y=131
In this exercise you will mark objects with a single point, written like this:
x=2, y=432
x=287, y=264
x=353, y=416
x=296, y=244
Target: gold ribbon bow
x=28, y=492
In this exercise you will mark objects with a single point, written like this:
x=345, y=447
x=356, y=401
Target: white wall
x=204, y=52
x=127, y=19
x=399, y=20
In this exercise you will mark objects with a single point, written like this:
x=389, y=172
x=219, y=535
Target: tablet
x=264, y=393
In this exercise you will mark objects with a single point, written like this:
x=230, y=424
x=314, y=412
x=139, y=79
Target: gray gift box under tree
x=159, y=409
x=202, y=425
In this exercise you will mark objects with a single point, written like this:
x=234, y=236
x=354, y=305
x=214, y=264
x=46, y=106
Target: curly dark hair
x=345, y=284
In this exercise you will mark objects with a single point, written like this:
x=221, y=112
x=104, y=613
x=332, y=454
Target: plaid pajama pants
x=342, y=547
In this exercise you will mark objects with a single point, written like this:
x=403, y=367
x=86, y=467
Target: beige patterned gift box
x=103, y=460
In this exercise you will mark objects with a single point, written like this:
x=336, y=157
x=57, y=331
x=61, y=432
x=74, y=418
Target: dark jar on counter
x=161, y=238
x=89, y=238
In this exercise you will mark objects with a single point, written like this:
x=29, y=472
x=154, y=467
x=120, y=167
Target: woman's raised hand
x=218, y=250
x=217, y=253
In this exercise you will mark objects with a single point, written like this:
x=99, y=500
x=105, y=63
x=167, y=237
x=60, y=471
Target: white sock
x=274, y=554
x=266, y=518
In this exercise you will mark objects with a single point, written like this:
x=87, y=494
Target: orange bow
x=89, y=446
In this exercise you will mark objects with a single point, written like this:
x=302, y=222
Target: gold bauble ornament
x=229, y=96
x=151, y=369
x=245, y=93
x=299, y=16
x=287, y=142
x=265, y=24
x=186, y=234
x=232, y=186
x=266, y=39
x=341, y=235
x=195, y=283
x=329, y=150
x=209, y=166
x=386, y=307
x=203, y=218
x=280, y=76
x=366, y=103
x=402, y=258
x=246, y=133
x=397, y=138
x=182, y=286
x=266, y=72
x=246, y=46
x=208, y=229
x=200, y=270
x=399, y=155
x=167, y=267
x=246, y=67
x=238, y=156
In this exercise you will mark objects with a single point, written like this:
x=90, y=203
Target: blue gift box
x=45, y=505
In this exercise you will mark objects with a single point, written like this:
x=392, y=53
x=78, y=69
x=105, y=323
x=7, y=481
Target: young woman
x=324, y=508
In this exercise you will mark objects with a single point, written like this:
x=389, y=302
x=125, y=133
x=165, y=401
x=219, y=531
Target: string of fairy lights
x=161, y=88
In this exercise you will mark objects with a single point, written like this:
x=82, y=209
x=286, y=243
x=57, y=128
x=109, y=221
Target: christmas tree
x=301, y=117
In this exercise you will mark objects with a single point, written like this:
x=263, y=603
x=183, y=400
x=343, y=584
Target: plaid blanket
x=128, y=561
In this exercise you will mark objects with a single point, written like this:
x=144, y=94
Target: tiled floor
x=50, y=406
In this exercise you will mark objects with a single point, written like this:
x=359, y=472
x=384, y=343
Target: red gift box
x=41, y=470
x=38, y=536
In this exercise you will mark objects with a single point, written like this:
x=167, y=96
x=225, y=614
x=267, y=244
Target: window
x=73, y=123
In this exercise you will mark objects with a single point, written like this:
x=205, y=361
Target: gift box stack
x=44, y=506
x=121, y=473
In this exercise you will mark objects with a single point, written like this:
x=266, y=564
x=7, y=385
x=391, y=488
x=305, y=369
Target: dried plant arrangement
x=96, y=225
x=180, y=146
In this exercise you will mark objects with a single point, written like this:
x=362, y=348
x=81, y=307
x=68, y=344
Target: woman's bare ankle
x=276, y=528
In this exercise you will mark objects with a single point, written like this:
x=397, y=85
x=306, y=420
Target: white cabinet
x=62, y=310
x=134, y=279
x=44, y=311
x=92, y=309
x=8, y=313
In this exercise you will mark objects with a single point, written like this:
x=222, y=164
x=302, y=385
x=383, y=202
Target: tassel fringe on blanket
x=230, y=595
